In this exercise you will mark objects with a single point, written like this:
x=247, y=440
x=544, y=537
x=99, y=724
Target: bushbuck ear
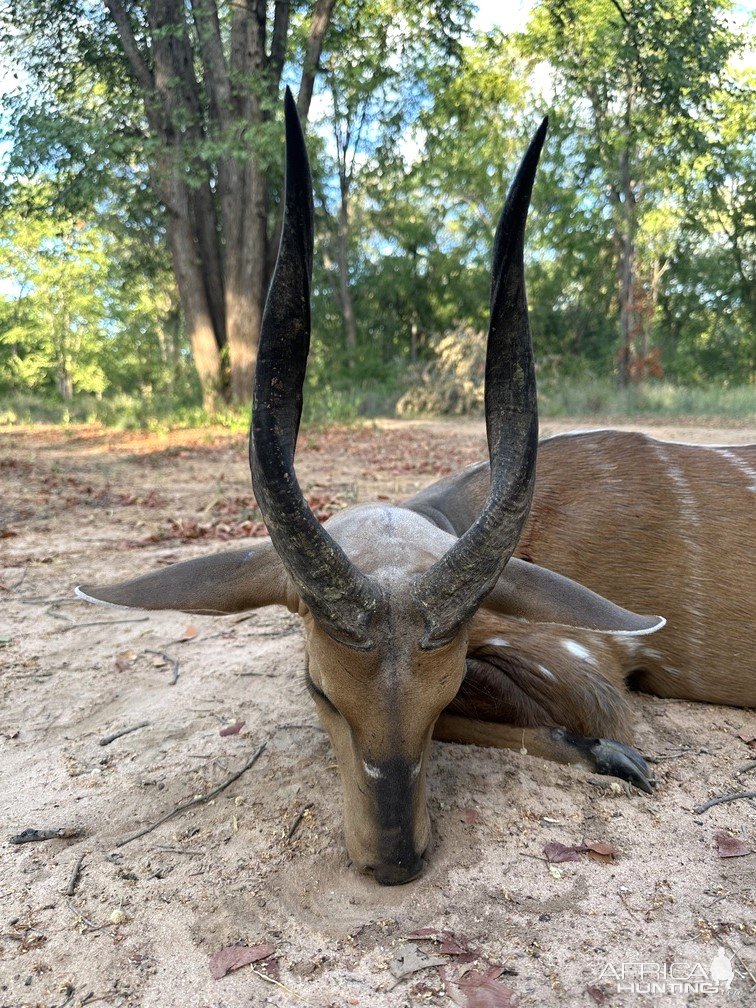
x=227, y=582
x=541, y=596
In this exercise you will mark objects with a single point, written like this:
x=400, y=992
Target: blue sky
x=509, y=15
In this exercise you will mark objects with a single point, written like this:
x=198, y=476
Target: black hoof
x=619, y=760
x=615, y=759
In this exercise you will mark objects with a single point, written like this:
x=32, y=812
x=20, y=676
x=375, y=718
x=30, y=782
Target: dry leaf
x=598, y=851
x=189, y=634
x=232, y=729
x=410, y=959
x=233, y=957
x=730, y=846
x=483, y=990
x=470, y=815
x=557, y=852
x=595, y=849
x=748, y=737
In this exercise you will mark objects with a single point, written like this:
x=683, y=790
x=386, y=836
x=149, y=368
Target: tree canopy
x=142, y=170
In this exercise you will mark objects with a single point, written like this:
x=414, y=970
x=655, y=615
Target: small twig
x=85, y=920
x=59, y=615
x=264, y=976
x=104, y=622
x=35, y=835
x=179, y=850
x=746, y=767
x=195, y=801
x=258, y=675
x=312, y=727
x=295, y=825
x=286, y=632
x=43, y=600
x=124, y=731
x=73, y=881
x=173, y=662
x=720, y=801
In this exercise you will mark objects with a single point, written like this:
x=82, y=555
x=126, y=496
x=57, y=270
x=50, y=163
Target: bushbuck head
x=388, y=599
x=386, y=594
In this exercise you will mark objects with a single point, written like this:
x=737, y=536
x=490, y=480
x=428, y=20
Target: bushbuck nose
x=399, y=872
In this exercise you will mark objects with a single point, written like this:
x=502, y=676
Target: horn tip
x=290, y=105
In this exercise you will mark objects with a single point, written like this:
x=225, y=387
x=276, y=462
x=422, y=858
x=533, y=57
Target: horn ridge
x=339, y=596
x=453, y=588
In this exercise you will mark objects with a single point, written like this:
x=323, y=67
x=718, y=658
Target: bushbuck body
x=421, y=619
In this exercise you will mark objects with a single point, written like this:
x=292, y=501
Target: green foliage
x=424, y=120
x=602, y=400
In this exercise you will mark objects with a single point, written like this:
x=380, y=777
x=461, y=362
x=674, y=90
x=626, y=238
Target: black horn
x=340, y=597
x=454, y=587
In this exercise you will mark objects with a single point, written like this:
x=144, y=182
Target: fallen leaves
x=233, y=957
x=477, y=988
x=730, y=846
x=189, y=634
x=596, y=850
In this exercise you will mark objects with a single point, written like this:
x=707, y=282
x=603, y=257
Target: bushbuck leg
x=603, y=756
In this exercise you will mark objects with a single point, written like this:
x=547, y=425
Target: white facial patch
x=578, y=650
x=376, y=774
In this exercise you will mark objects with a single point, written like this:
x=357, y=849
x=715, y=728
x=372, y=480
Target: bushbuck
x=445, y=616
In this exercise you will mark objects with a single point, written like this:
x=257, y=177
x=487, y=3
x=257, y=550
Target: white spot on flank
x=372, y=771
x=498, y=642
x=546, y=673
x=577, y=650
x=415, y=770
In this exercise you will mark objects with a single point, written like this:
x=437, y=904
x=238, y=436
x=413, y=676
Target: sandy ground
x=264, y=861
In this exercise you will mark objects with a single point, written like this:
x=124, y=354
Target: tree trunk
x=194, y=307
x=218, y=228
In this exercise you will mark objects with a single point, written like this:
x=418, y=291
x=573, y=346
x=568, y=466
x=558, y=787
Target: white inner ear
x=636, y=633
x=611, y=633
x=98, y=601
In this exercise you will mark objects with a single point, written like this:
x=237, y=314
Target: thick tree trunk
x=192, y=295
x=218, y=228
x=245, y=291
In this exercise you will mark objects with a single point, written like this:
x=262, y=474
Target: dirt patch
x=264, y=862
